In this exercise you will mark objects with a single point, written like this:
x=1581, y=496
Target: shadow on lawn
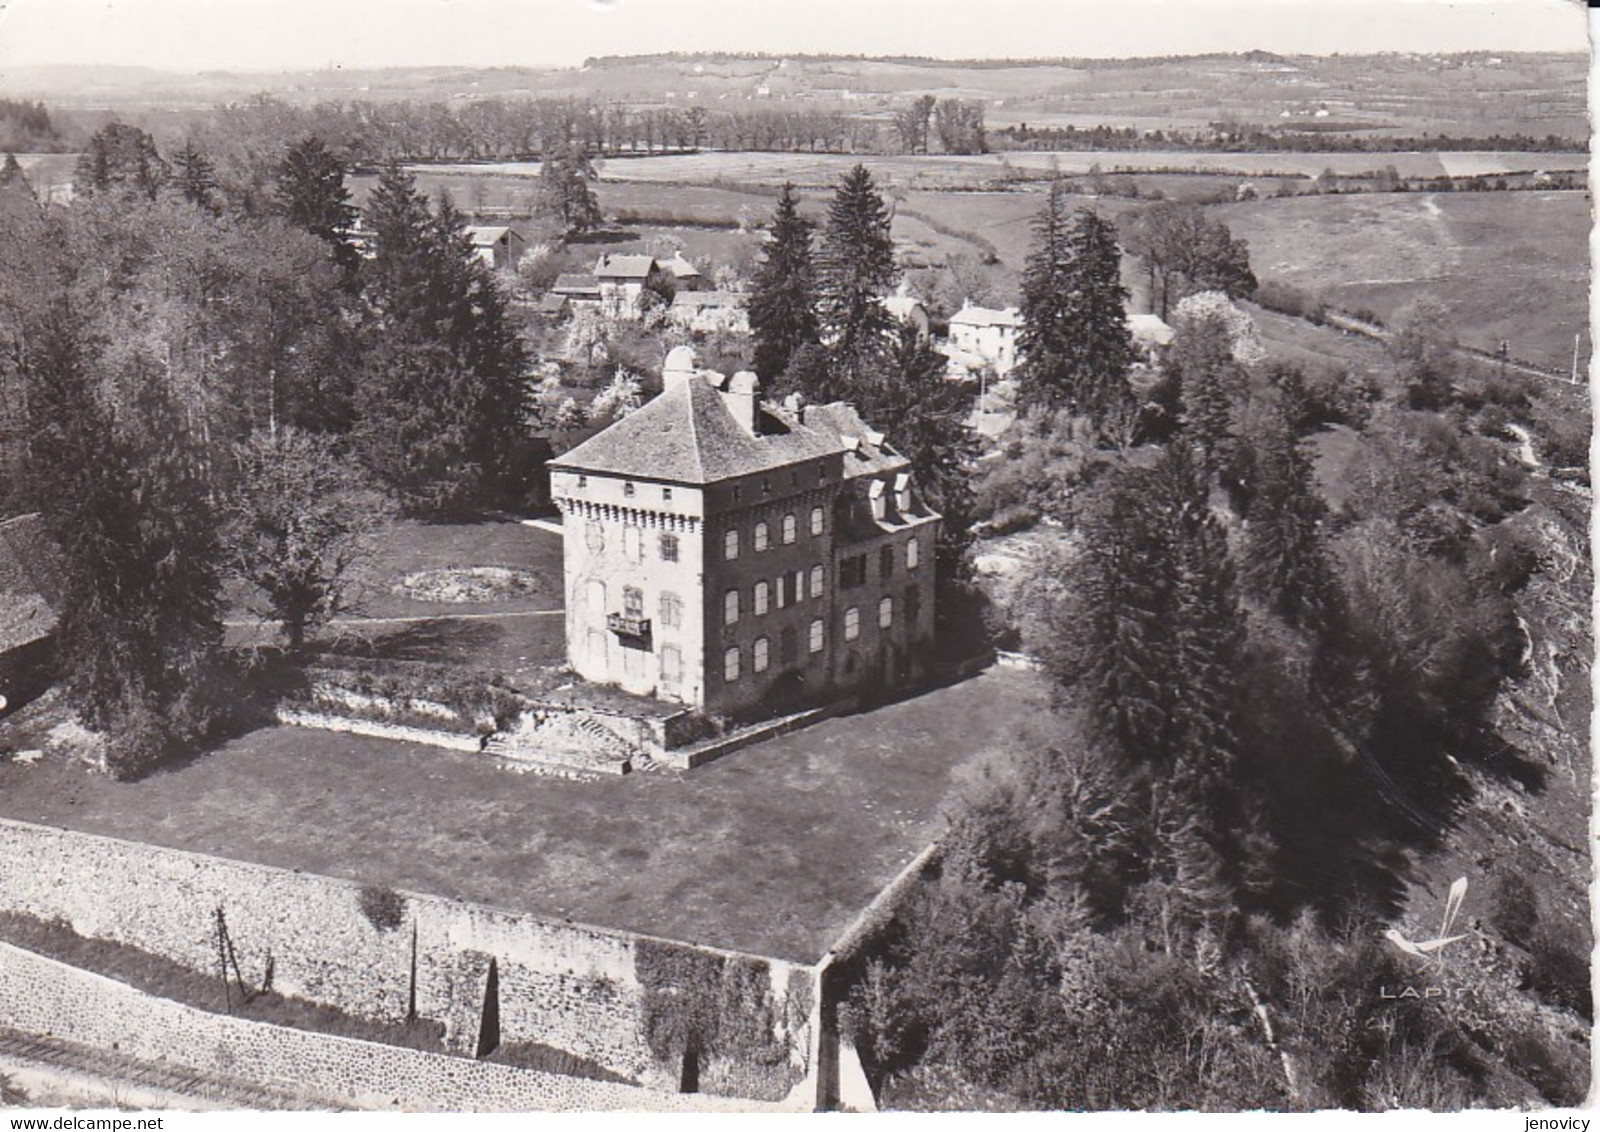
x=440, y=639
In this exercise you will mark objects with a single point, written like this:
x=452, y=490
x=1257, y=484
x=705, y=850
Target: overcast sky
x=297, y=34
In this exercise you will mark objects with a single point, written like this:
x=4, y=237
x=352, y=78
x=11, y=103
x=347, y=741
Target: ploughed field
x=773, y=850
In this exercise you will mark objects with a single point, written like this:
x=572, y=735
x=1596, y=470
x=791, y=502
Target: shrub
x=384, y=908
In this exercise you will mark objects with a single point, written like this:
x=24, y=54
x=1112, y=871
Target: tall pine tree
x=441, y=405
x=310, y=193
x=1074, y=343
x=856, y=270
x=783, y=315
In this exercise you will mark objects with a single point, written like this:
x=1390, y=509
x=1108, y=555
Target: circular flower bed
x=468, y=585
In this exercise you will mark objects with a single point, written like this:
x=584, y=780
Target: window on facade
x=816, y=520
x=730, y=665
x=853, y=572
x=730, y=607
x=816, y=580
x=791, y=588
x=627, y=489
x=632, y=544
x=594, y=537
x=758, y=655
x=632, y=602
x=669, y=548
x=666, y=495
x=766, y=486
x=913, y=604
x=822, y=473
x=738, y=493
x=886, y=562
x=730, y=545
x=761, y=536
x=789, y=528
x=885, y=612
x=852, y=623
x=583, y=481
x=816, y=635
x=671, y=664
x=913, y=554
x=671, y=610
x=762, y=596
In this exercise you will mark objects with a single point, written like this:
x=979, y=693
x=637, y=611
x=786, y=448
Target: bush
x=384, y=908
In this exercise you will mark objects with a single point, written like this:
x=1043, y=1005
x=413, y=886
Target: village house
x=982, y=337
x=736, y=555
x=623, y=280
x=910, y=311
x=710, y=312
x=574, y=290
x=685, y=275
x=498, y=246
x=1151, y=337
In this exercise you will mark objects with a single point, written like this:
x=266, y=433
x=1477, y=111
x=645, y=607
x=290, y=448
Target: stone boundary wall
x=368, y=952
x=42, y=996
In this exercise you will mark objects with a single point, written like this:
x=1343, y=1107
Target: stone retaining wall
x=330, y=941
x=42, y=996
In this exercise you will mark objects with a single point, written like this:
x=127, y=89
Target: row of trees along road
x=198, y=383
x=1172, y=892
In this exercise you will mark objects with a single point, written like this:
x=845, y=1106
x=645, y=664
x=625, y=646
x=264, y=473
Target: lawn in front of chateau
x=773, y=850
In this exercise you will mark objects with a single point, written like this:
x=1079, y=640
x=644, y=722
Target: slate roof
x=482, y=234
x=625, y=267
x=984, y=316
x=687, y=435
x=575, y=284
x=681, y=268
x=698, y=299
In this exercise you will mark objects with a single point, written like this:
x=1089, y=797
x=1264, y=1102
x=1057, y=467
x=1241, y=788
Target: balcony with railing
x=625, y=626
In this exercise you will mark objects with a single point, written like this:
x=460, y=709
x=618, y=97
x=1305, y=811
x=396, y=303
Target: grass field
x=773, y=850
x=519, y=637
x=944, y=170
x=1507, y=265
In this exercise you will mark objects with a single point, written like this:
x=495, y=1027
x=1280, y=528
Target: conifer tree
x=310, y=193
x=1201, y=364
x=856, y=270
x=1285, y=556
x=441, y=405
x=11, y=172
x=123, y=158
x=1074, y=345
x=783, y=314
x=196, y=178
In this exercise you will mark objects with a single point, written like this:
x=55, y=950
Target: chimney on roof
x=743, y=399
x=681, y=365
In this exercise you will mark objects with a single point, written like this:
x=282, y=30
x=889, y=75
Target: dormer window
x=902, y=493
x=875, y=494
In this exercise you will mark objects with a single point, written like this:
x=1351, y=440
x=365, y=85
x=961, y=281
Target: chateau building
x=728, y=553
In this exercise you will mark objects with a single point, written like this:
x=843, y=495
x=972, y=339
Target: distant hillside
x=1466, y=94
